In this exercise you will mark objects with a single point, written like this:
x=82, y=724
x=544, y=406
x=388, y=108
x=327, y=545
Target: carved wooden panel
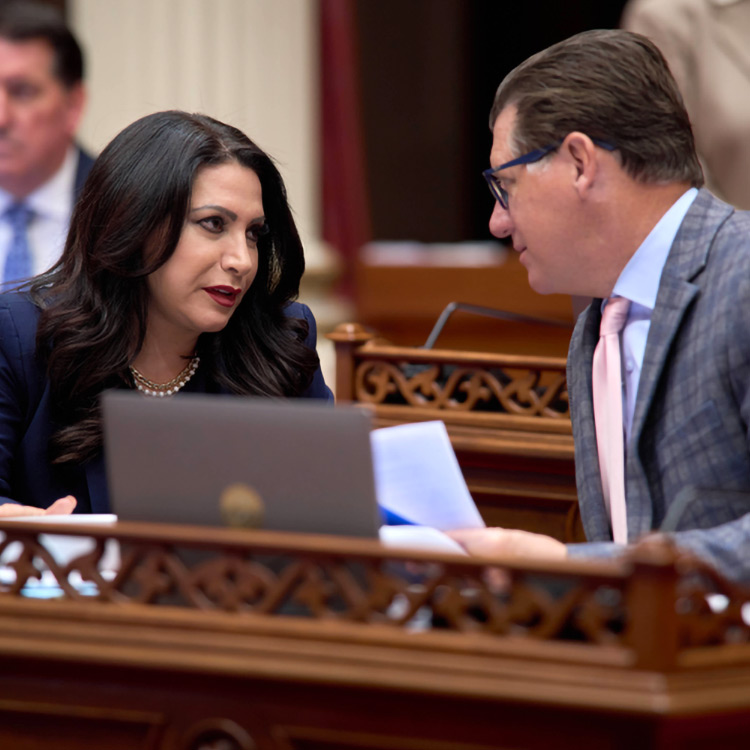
x=361, y=582
x=216, y=639
x=711, y=610
x=528, y=392
x=451, y=593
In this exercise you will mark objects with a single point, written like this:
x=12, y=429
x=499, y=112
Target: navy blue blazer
x=26, y=474
x=85, y=162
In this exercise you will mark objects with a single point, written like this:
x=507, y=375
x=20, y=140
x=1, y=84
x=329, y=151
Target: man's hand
x=63, y=506
x=498, y=542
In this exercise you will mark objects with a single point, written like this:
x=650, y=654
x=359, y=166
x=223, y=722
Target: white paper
x=95, y=518
x=419, y=537
x=417, y=476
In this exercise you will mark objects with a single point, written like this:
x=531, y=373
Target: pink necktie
x=607, y=387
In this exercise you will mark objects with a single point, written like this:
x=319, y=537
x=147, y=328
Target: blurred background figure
x=707, y=46
x=41, y=169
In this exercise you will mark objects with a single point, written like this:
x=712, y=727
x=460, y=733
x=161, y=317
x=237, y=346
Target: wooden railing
x=507, y=417
x=279, y=641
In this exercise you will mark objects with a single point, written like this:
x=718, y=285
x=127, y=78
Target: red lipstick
x=225, y=296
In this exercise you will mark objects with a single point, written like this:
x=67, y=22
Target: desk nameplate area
x=265, y=633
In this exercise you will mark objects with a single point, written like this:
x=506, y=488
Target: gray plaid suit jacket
x=688, y=460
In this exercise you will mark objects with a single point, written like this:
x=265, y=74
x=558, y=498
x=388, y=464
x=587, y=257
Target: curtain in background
x=346, y=223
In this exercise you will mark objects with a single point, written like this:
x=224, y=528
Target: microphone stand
x=489, y=312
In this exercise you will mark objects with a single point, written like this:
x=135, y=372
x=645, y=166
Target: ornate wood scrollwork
x=352, y=583
x=711, y=610
x=523, y=392
x=345, y=586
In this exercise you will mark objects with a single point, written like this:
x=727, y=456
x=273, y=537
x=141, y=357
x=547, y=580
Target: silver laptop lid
x=228, y=460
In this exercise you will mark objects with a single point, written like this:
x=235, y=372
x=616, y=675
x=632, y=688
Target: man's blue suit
x=26, y=474
x=85, y=162
x=689, y=456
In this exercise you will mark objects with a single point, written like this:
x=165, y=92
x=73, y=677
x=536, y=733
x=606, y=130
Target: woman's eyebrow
x=231, y=214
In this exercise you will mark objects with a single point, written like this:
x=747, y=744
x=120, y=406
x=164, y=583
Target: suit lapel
x=673, y=301
x=687, y=258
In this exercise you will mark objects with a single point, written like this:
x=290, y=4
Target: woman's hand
x=63, y=506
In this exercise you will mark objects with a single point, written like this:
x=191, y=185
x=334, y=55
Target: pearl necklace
x=149, y=388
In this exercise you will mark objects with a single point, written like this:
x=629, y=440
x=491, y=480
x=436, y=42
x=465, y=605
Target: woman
x=177, y=275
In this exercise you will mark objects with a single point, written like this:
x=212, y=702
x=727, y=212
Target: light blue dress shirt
x=52, y=205
x=639, y=282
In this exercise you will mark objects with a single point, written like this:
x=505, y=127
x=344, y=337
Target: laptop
x=216, y=460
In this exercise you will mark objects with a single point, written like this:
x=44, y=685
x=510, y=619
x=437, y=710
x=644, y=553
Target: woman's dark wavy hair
x=126, y=224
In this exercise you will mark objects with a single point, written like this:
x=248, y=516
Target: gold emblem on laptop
x=241, y=507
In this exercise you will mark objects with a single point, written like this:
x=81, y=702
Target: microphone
x=489, y=312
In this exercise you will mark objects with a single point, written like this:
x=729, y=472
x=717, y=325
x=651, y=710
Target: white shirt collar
x=639, y=280
x=55, y=197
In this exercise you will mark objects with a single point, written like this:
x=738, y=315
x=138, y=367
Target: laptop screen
x=216, y=460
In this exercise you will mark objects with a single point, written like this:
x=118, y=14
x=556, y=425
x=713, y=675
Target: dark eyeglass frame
x=500, y=194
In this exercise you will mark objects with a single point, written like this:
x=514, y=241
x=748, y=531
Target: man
x=602, y=197
x=41, y=103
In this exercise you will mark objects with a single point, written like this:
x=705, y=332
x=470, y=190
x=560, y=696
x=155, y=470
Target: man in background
x=707, y=46
x=598, y=185
x=41, y=169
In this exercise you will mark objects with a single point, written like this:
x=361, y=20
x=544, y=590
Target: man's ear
x=581, y=153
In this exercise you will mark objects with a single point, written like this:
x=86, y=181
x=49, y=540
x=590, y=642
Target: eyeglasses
x=500, y=194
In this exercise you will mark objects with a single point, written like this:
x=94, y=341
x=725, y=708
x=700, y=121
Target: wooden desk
x=290, y=642
x=507, y=417
x=403, y=301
